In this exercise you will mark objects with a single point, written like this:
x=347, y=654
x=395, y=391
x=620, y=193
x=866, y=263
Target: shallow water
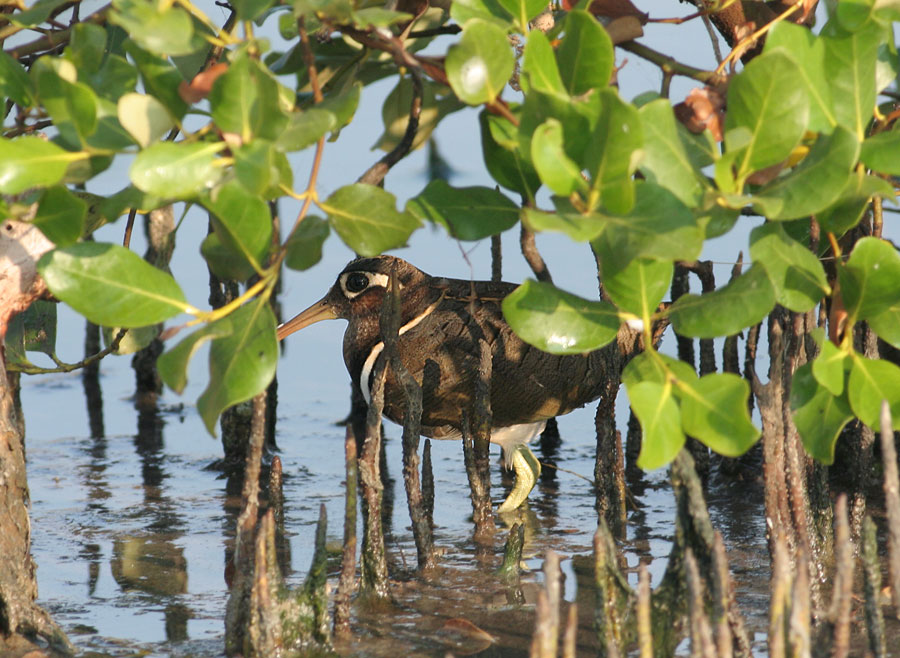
x=131, y=529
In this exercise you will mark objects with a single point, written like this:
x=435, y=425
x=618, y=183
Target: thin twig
x=669, y=64
x=310, y=195
x=69, y=367
x=376, y=173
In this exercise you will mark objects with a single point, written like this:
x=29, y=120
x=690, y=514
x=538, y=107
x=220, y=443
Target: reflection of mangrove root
x=695, y=597
x=273, y=618
x=696, y=581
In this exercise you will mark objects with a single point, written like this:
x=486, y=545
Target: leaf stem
x=262, y=286
x=741, y=45
x=310, y=194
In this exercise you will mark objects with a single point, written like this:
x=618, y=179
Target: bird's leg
x=527, y=469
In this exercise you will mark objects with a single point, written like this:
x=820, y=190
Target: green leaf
x=144, y=117
x=14, y=81
x=375, y=17
x=33, y=330
x=160, y=78
x=39, y=326
x=176, y=169
x=798, y=276
x=133, y=340
x=172, y=365
x=110, y=285
x=164, y=31
x=658, y=227
x=261, y=168
x=479, y=65
x=578, y=118
x=71, y=105
x=660, y=418
x=539, y=69
x=814, y=185
x=60, y=216
x=829, y=367
x=224, y=261
x=342, y=104
x=35, y=14
x=870, y=382
x=879, y=152
x=585, y=54
x=242, y=221
x=32, y=162
x=304, y=247
x=110, y=135
x=768, y=109
x=666, y=160
x=14, y=344
x=850, y=61
x=638, y=287
x=853, y=201
x=339, y=11
x=462, y=11
x=581, y=228
x=808, y=51
x=437, y=101
x=714, y=410
x=818, y=415
x=742, y=303
x=248, y=10
x=558, y=322
x=115, y=78
x=853, y=14
x=523, y=11
x=468, y=213
x=118, y=204
x=656, y=367
x=613, y=152
x=504, y=161
x=869, y=279
x=304, y=129
x=554, y=167
x=887, y=325
x=86, y=48
x=244, y=101
x=367, y=220
x=242, y=363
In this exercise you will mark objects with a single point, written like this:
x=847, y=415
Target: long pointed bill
x=321, y=310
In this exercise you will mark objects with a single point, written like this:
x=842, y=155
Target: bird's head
x=359, y=293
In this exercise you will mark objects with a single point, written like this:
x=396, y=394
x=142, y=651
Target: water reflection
x=149, y=560
x=150, y=563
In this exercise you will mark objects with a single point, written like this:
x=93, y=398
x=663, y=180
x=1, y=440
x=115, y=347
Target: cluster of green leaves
x=802, y=139
x=799, y=141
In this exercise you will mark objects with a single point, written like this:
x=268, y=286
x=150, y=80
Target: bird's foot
x=527, y=469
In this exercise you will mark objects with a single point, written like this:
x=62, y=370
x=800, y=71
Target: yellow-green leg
x=527, y=469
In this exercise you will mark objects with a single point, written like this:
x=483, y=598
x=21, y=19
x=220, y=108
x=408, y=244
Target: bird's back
x=442, y=352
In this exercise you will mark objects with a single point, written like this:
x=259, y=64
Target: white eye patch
x=354, y=283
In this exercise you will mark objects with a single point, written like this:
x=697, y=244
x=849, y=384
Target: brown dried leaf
x=766, y=175
x=201, y=85
x=624, y=28
x=702, y=109
x=837, y=318
x=616, y=9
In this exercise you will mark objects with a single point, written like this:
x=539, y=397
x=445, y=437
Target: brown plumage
x=441, y=324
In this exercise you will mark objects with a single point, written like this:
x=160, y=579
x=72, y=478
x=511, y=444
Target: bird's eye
x=356, y=282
